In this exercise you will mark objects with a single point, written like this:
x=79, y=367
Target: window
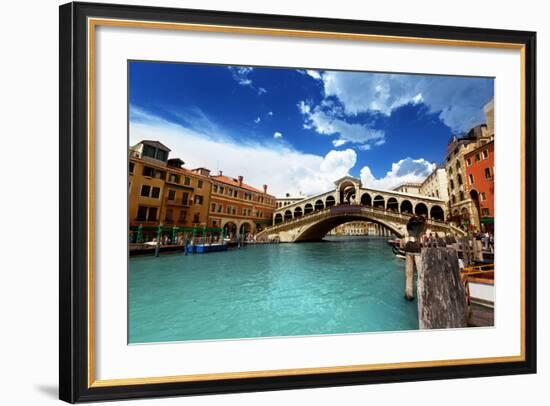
x=459, y=178
x=488, y=174
x=215, y=188
x=198, y=199
x=187, y=181
x=450, y=171
x=131, y=167
x=185, y=198
x=145, y=190
x=220, y=208
x=213, y=207
x=477, y=157
x=461, y=196
x=169, y=216
x=142, y=213
x=196, y=218
x=221, y=190
x=451, y=182
x=235, y=193
x=182, y=216
x=469, y=161
x=453, y=199
x=214, y=223
x=171, y=195
x=482, y=196
x=155, y=193
x=471, y=177
x=485, y=212
x=148, y=171
x=485, y=154
x=199, y=184
x=152, y=215
x=162, y=155
x=159, y=174
x=149, y=151
x=173, y=178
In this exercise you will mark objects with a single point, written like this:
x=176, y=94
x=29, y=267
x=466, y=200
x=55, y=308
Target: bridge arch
x=298, y=212
x=278, y=219
x=245, y=229
x=317, y=230
x=230, y=229
x=379, y=202
x=308, y=208
x=366, y=200
x=347, y=191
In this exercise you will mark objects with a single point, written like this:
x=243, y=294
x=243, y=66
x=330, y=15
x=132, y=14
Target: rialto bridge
x=311, y=218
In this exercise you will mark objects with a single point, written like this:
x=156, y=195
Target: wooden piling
x=409, y=276
x=441, y=297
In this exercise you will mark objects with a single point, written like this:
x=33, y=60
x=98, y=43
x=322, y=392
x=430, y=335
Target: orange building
x=238, y=208
x=480, y=173
x=163, y=193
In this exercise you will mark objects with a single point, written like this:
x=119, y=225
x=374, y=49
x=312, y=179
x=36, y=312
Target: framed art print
x=255, y=202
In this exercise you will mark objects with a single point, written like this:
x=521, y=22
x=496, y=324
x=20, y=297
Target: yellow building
x=163, y=193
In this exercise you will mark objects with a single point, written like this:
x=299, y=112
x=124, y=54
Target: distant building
x=412, y=188
x=435, y=184
x=480, y=171
x=287, y=200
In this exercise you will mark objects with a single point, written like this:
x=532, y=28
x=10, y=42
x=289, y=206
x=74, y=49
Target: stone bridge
x=310, y=219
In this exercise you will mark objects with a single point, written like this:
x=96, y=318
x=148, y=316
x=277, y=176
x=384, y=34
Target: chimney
x=220, y=172
x=240, y=180
x=287, y=194
x=265, y=188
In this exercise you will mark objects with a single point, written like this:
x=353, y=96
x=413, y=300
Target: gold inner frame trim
x=94, y=22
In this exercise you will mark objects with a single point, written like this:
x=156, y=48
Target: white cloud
x=275, y=163
x=326, y=119
x=458, y=100
x=277, y=134
x=270, y=113
x=257, y=120
x=240, y=75
x=338, y=143
x=405, y=170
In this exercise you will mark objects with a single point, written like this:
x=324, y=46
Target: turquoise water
x=346, y=285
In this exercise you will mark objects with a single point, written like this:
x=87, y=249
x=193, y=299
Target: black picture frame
x=74, y=385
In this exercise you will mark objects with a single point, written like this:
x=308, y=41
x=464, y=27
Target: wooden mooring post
x=441, y=297
x=409, y=276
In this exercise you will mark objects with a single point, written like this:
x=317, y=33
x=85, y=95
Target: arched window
x=366, y=199
x=392, y=204
x=319, y=205
x=308, y=208
x=278, y=218
x=406, y=207
x=421, y=210
x=330, y=201
x=288, y=215
x=379, y=202
x=298, y=212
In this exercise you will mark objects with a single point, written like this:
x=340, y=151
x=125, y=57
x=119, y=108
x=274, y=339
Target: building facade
x=480, y=172
x=463, y=209
x=435, y=185
x=287, y=200
x=412, y=188
x=238, y=208
x=161, y=193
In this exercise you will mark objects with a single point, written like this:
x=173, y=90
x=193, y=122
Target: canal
x=341, y=285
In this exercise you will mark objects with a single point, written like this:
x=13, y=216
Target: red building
x=480, y=172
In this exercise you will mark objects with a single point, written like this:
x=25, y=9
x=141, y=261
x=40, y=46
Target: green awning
x=488, y=220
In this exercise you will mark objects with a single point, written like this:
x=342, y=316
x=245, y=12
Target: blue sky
x=299, y=130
